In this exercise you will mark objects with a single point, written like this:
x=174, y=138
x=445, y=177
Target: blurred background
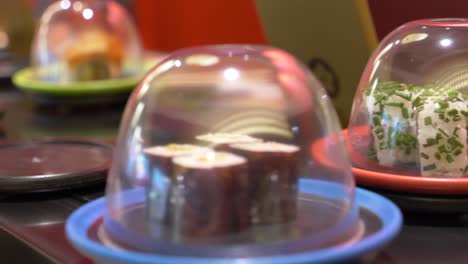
x=334, y=38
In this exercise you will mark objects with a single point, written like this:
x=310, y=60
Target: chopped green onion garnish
x=404, y=112
x=452, y=112
x=394, y=104
x=417, y=102
x=452, y=94
x=457, y=152
x=449, y=159
x=404, y=96
x=428, y=121
x=454, y=142
x=442, y=149
x=429, y=167
x=430, y=142
x=443, y=132
x=424, y=155
x=376, y=120
x=443, y=105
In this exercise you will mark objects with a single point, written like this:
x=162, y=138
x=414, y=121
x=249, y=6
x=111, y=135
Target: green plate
x=27, y=80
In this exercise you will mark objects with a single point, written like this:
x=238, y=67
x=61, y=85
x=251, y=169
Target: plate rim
x=23, y=80
x=77, y=226
x=40, y=183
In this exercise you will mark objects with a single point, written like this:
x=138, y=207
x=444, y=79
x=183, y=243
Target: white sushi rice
x=399, y=114
x=390, y=155
x=174, y=150
x=434, y=163
x=266, y=147
x=227, y=138
x=209, y=160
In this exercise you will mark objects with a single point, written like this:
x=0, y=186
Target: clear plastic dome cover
x=410, y=111
x=215, y=157
x=83, y=40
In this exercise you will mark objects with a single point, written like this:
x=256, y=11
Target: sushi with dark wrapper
x=209, y=198
x=273, y=173
x=159, y=180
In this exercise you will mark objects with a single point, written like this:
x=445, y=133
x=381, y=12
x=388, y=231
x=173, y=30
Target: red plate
x=371, y=174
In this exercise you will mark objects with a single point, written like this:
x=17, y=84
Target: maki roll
x=419, y=127
x=209, y=198
x=159, y=182
x=394, y=126
x=221, y=141
x=442, y=138
x=273, y=173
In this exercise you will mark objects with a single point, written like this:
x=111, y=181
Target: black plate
x=40, y=166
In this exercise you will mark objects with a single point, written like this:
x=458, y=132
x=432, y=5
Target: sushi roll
x=209, y=198
x=94, y=55
x=221, y=141
x=443, y=139
x=273, y=173
x=159, y=182
x=419, y=127
x=393, y=125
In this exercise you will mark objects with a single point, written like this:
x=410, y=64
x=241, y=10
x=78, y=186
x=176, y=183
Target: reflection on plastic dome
x=410, y=111
x=213, y=159
x=82, y=40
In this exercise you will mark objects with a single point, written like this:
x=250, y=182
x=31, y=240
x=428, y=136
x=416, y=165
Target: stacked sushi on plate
x=419, y=127
x=231, y=184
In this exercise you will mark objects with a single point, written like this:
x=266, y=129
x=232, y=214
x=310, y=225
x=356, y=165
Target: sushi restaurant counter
x=31, y=225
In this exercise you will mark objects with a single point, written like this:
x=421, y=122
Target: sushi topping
x=209, y=160
x=227, y=138
x=172, y=150
x=267, y=147
x=428, y=121
x=429, y=167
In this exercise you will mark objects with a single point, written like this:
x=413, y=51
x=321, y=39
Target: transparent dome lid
x=410, y=111
x=85, y=40
x=215, y=157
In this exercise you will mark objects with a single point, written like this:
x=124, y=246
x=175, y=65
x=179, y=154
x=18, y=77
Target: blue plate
x=85, y=217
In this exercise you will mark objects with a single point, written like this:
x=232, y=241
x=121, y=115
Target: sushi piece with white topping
x=221, y=141
x=442, y=139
